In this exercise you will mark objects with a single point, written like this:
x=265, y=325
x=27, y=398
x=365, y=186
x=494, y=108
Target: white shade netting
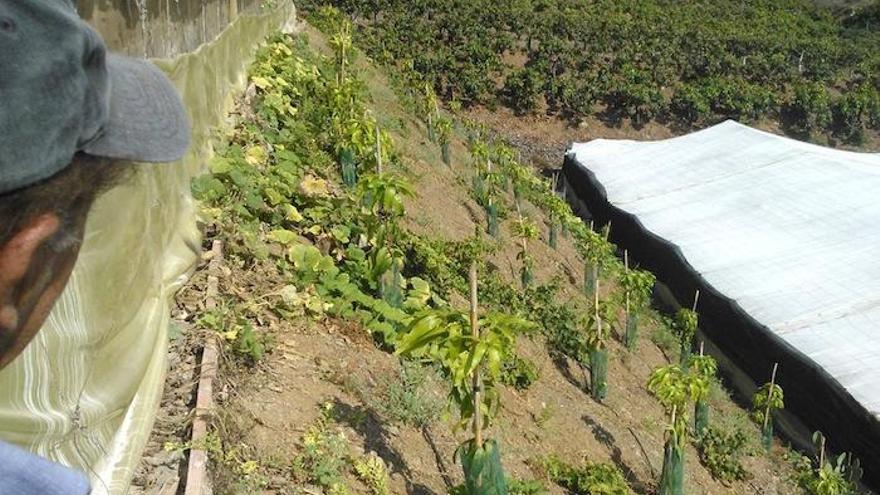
x=784, y=234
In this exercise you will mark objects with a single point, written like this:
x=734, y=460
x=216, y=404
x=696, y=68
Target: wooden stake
x=477, y=383
x=701, y=348
x=696, y=299
x=626, y=270
x=378, y=151
x=821, y=450
x=596, y=304
x=770, y=393
x=674, y=409
x=607, y=230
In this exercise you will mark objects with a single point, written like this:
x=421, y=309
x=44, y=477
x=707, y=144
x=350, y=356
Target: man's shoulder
x=23, y=473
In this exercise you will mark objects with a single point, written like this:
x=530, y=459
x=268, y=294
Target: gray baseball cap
x=61, y=93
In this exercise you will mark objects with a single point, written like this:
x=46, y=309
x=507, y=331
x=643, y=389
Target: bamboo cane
x=477, y=382
x=770, y=394
x=378, y=151
x=596, y=306
x=626, y=270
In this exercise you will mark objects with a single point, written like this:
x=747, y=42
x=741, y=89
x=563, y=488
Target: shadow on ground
x=605, y=437
x=377, y=439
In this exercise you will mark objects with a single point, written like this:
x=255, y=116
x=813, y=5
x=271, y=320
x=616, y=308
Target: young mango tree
x=488, y=182
x=493, y=182
x=444, y=126
x=703, y=368
x=526, y=230
x=637, y=287
x=341, y=44
x=824, y=476
x=676, y=390
x=480, y=154
x=557, y=212
x=597, y=253
x=767, y=399
x=381, y=199
x=431, y=110
x=597, y=328
x=685, y=327
x=470, y=349
x=518, y=175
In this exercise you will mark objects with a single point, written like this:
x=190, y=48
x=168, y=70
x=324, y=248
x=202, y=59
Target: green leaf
x=418, y=296
x=208, y=188
x=291, y=213
x=220, y=165
x=275, y=198
x=381, y=263
x=341, y=233
x=422, y=331
x=283, y=236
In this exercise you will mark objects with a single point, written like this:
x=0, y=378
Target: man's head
x=69, y=114
x=40, y=238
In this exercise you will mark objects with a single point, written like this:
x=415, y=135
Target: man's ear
x=17, y=253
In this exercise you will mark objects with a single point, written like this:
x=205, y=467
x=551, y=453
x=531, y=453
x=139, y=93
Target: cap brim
x=147, y=122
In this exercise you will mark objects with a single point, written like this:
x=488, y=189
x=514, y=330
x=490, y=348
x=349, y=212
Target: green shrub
x=829, y=479
x=635, y=94
x=587, y=479
x=326, y=18
x=826, y=476
x=723, y=58
x=518, y=372
x=721, y=451
x=856, y=111
x=664, y=338
x=522, y=88
x=525, y=487
x=809, y=107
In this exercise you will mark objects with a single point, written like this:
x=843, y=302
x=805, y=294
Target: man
x=70, y=113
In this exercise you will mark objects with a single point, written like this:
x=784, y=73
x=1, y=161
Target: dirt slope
x=267, y=409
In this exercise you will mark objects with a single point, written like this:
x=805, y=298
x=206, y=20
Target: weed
x=372, y=471
x=586, y=479
x=324, y=456
x=235, y=467
x=404, y=397
x=237, y=332
x=545, y=415
x=525, y=487
x=514, y=487
x=518, y=372
x=666, y=340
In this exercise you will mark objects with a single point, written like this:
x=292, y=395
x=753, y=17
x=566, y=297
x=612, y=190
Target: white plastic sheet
x=86, y=390
x=788, y=230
